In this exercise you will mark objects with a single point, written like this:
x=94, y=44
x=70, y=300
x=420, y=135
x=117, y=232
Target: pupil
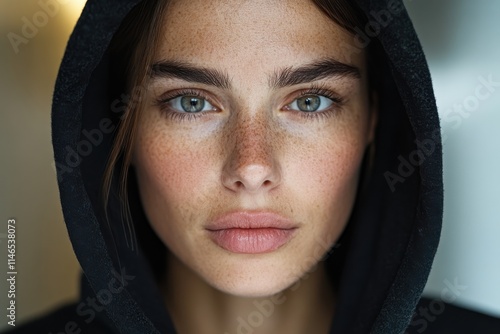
x=309, y=103
x=192, y=104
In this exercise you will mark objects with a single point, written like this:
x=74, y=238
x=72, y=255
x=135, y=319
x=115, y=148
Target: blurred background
x=47, y=269
x=461, y=41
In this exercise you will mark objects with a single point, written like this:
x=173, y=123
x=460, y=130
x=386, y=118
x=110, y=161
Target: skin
x=251, y=152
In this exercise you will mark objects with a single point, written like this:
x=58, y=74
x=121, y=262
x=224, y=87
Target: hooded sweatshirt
x=386, y=251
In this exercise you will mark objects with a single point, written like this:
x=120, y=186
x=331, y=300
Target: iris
x=192, y=103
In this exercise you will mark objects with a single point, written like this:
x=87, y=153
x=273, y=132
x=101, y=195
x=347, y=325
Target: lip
x=251, y=232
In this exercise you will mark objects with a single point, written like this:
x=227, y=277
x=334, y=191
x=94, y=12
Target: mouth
x=247, y=232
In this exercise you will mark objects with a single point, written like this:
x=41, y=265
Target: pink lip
x=251, y=232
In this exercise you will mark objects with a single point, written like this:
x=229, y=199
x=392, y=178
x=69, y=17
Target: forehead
x=252, y=33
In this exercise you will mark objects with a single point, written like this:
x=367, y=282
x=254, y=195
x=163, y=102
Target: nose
x=251, y=165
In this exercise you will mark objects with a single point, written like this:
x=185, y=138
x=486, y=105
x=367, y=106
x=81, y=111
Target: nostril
x=251, y=178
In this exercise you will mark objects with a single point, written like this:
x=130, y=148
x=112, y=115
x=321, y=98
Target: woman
x=247, y=167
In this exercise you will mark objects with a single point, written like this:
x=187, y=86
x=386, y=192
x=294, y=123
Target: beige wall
x=48, y=272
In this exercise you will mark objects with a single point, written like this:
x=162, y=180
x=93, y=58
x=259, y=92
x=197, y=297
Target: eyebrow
x=288, y=76
x=321, y=69
x=190, y=73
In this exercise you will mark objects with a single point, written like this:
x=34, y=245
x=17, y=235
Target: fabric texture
x=387, y=249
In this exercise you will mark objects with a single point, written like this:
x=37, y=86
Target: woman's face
x=253, y=106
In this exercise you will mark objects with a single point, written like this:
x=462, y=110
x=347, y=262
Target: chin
x=258, y=289
x=253, y=278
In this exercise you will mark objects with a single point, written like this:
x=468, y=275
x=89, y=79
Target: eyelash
x=320, y=90
x=174, y=115
x=313, y=90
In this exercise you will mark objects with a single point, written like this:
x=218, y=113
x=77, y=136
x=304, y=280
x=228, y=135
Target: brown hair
x=132, y=51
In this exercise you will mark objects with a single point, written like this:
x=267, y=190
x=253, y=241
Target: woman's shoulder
x=66, y=319
x=434, y=316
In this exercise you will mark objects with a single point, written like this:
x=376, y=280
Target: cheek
x=170, y=179
x=169, y=163
x=325, y=181
x=336, y=172
x=327, y=171
x=159, y=170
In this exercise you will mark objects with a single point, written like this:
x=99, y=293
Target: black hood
x=386, y=252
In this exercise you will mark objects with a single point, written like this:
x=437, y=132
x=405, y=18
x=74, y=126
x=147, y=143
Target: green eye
x=189, y=104
x=192, y=104
x=310, y=103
